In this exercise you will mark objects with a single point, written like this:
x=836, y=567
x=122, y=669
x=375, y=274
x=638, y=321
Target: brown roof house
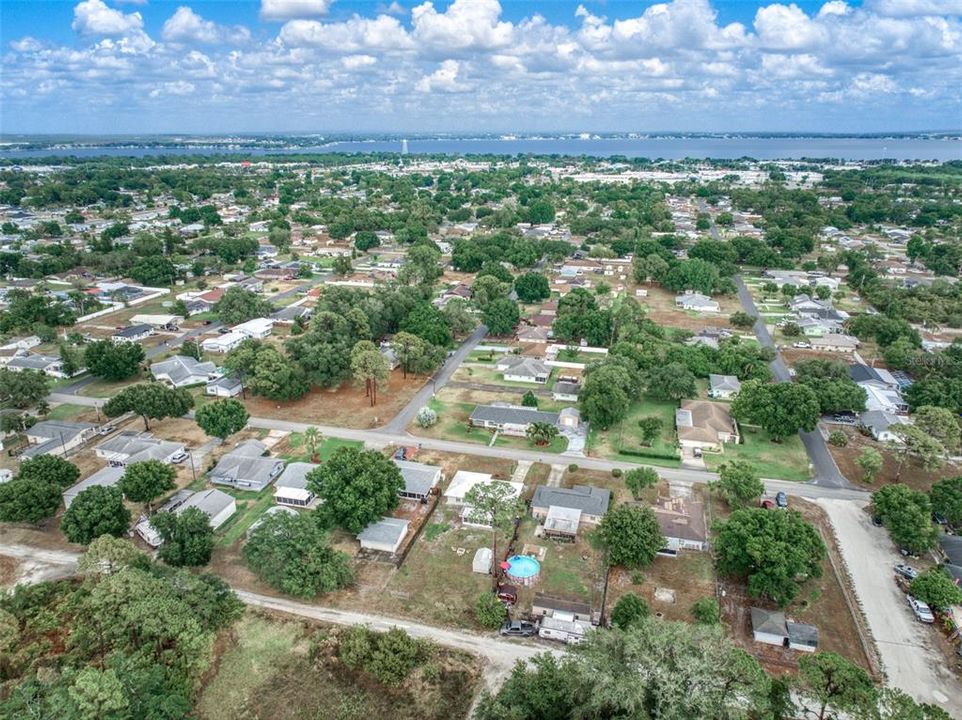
x=705, y=425
x=682, y=522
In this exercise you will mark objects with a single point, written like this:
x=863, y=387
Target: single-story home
x=835, y=342
x=218, y=506
x=532, y=334
x=565, y=391
x=246, y=467
x=183, y=371
x=510, y=419
x=419, y=479
x=223, y=343
x=882, y=424
x=523, y=369
x=47, y=364
x=227, y=386
x=158, y=322
x=771, y=627
x=690, y=300
x=131, y=447
x=801, y=636
x=723, y=387
x=105, y=477
x=590, y=503
x=951, y=547
x=147, y=531
x=546, y=606
x=291, y=314
x=132, y=334
x=291, y=486
x=461, y=484
x=884, y=399
x=682, y=522
x=386, y=535
x=258, y=328
x=57, y=437
x=705, y=425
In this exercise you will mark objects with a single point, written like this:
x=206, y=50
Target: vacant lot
x=670, y=585
x=662, y=309
x=273, y=669
x=346, y=406
x=912, y=473
x=786, y=460
x=626, y=435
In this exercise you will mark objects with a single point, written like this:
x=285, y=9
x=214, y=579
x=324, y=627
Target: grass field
x=786, y=460
x=250, y=506
x=626, y=434
x=295, y=450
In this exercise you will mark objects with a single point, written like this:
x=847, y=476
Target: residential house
x=420, y=480
x=574, y=266
x=158, y=322
x=131, y=447
x=291, y=487
x=57, y=437
x=884, y=399
x=223, y=344
x=562, y=511
x=801, y=636
x=563, y=629
x=257, y=329
x=291, y=314
x=246, y=467
x=147, y=531
x=835, y=342
x=218, y=506
x=510, y=419
x=227, y=386
x=690, y=300
x=565, y=391
x=105, y=477
x=461, y=291
x=532, y=334
x=133, y=334
x=523, y=369
x=386, y=535
x=882, y=424
x=47, y=364
x=771, y=627
x=276, y=273
x=682, y=522
x=393, y=362
x=183, y=371
x=951, y=548
x=868, y=375
x=704, y=425
x=805, y=306
x=547, y=606
x=723, y=387
x=461, y=484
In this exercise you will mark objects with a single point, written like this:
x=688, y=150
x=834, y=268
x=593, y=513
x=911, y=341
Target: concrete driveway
x=910, y=658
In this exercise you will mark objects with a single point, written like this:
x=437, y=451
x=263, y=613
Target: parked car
x=781, y=499
x=105, y=430
x=179, y=458
x=223, y=330
x=802, y=345
x=922, y=611
x=768, y=504
x=844, y=418
x=906, y=571
x=877, y=520
x=518, y=628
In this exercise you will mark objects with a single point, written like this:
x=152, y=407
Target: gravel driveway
x=910, y=658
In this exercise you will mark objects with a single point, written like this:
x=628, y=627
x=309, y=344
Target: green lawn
x=67, y=412
x=786, y=460
x=626, y=434
x=250, y=506
x=557, y=445
x=491, y=376
x=565, y=572
x=324, y=449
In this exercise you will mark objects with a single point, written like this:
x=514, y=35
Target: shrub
x=489, y=611
x=838, y=438
x=616, y=472
x=389, y=657
x=573, y=467
x=639, y=479
x=629, y=609
x=426, y=418
x=706, y=611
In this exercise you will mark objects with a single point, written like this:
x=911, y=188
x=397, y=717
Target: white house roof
x=387, y=530
x=210, y=502
x=464, y=480
x=182, y=367
x=295, y=475
x=724, y=383
x=257, y=326
x=105, y=477
x=225, y=340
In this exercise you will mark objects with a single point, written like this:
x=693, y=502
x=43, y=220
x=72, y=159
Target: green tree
x=532, y=287
x=154, y=271
x=742, y=320
x=776, y=551
x=496, y=505
x=542, y=433
x=94, y=512
x=833, y=686
x=607, y=393
x=488, y=288
x=147, y=480
x=49, y=468
x=489, y=612
x=268, y=371
x=501, y=316
x=650, y=428
x=941, y=424
x=291, y=553
x=893, y=704
x=458, y=317
x=365, y=240
x=29, y=501
x=673, y=381
x=738, y=483
x=631, y=535
x=907, y=514
x=151, y=400
x=781, y=409
x=639, y=479
x=629, y=609
x=107, y=554
x=369, y=366
x=706, y=611
x=222, y=418
x=914, y=442
x=529, y=399
x=98, y=695
x=356, y=487
x=946, y=498
x=23, y=389
x=409, y=349
x=428, y=323
x=188, y=537
x=936, y=588
x=239, y=305
x=312, y=439
x=870, y=461
x=113, y=361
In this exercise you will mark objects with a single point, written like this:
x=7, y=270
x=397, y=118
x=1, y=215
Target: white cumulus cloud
x=288, y=9
x=94, y=17
x=445, y=79
x=187, y=26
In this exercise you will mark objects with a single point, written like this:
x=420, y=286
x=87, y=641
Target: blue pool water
x=522, y=566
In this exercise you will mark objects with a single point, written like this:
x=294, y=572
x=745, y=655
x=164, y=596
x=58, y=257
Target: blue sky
x=140, y=66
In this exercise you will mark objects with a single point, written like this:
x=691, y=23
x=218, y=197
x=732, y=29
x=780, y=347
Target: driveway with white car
x=910, y=658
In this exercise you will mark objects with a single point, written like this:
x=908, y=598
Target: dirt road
x=910, y=659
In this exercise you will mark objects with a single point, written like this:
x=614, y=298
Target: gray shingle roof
x=210, y=502
x=590, y=500
x=727, y=383
x=295, y=475
x=418, y=477
x=386, y=530
x=138, y=447
x=134, y=331
x=768, y=621
x=105, y=477
x=802, y=634
x=512, y=414
x=181, y=367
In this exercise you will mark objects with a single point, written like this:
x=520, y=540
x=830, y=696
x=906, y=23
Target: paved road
x=404, y=418
x=826, y=471
x=910, y=659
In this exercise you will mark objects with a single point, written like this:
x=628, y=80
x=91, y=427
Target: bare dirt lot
x=662, y=310
x=346, y=406
x=912, y=474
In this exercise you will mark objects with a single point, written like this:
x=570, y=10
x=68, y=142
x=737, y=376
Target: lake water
x=669, y=148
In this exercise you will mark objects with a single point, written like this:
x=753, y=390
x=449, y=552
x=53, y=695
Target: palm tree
x=43, y=408
x=312, y=438
x=541, y=433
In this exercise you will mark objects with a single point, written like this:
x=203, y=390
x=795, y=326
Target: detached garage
x=386, y=535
